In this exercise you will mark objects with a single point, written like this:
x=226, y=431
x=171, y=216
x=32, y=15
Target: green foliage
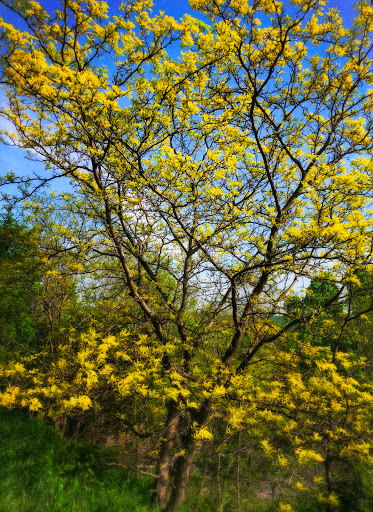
x=38, y=293
x=20, y=283
x=332, y=313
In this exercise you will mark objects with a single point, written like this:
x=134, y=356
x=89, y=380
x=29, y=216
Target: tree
x=20, y=281
x=317, y=404
x=214, y=182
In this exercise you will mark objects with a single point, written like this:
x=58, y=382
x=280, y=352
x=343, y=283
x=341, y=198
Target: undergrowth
x=40, y=471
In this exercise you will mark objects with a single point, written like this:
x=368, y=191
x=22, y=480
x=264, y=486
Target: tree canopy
x=214, y=183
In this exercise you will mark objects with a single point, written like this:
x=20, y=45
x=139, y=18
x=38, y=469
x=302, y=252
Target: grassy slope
x=39, y=471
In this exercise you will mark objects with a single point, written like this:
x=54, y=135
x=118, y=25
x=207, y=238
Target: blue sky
x=174, y=8
x=13, y=159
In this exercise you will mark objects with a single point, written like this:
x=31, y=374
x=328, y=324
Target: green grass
x=39, y=471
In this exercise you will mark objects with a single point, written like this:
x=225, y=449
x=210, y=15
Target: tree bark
x=181, y=473
x=200, y=492
x=238, y=496
x=328, y=478
x=220, y=499
x=174, y=470
x=165, y=461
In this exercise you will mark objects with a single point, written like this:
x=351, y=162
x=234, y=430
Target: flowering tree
x=214, y=181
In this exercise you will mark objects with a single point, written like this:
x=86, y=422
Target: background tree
x=20, y=283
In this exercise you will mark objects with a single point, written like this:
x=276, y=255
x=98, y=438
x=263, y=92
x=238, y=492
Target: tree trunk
x=165, y=461
x=328, y=478
x=200, y=492
x=220, y=498
x=181, y=473
x=174, y=470
x=238, y=483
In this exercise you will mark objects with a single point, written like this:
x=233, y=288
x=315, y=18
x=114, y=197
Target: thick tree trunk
x=165, y=461
x=181, y=473
x=184, y=461
x=173, y=469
